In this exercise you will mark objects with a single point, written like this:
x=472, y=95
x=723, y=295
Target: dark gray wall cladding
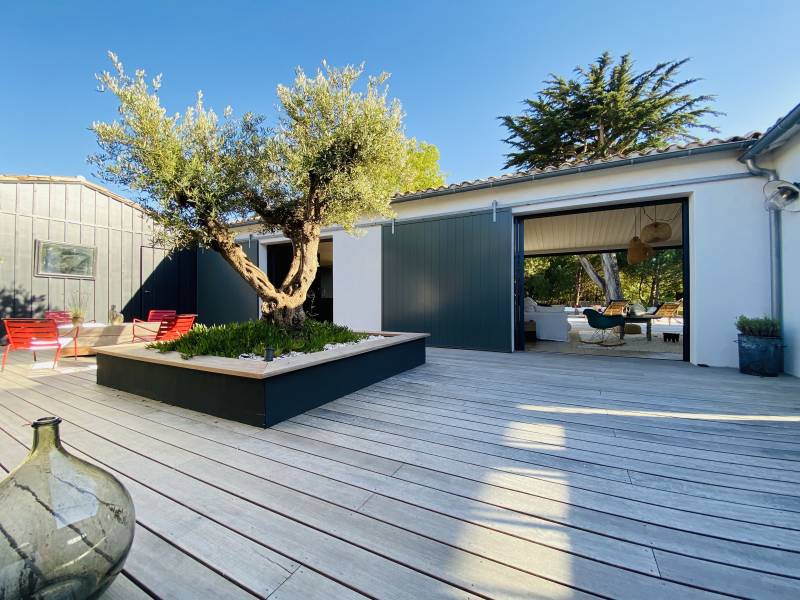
x=222, y=295
x=78, y=214
x=168, y=281
x=450, y=277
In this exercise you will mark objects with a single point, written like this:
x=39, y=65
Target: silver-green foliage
x=337, y=153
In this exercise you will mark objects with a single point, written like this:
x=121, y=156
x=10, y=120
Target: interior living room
x=609, y=281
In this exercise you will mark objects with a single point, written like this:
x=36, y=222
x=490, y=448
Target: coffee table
x=648, y=319
x=81, y=340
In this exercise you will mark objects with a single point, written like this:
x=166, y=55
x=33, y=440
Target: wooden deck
x=478, y=475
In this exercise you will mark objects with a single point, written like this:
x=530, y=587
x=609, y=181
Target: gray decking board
x=162, y=417
x=739, y=512
x=759, y=478
x=442, y=483
x=593, y=512
x=604, y=453
x=609, y=444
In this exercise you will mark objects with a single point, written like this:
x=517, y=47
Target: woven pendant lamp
x=638, y=251
x=657, y=231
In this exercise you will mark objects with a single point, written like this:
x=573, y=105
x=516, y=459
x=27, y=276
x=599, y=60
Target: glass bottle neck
x=45, y=434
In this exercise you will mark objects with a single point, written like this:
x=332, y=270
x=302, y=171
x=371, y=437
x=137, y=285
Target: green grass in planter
x=234, y=339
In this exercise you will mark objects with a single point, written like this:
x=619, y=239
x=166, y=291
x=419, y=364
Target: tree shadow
x=172, y=285
x=17, y=302
x=604, y=465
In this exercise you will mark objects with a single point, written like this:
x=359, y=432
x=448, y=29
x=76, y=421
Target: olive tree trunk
x=281, y=304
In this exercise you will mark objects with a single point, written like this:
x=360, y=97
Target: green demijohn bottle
x=66, y=526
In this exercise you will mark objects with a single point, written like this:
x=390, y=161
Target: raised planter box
x=255, y=392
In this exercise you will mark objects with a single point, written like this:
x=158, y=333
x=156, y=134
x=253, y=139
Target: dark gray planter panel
x=259, y=402
x=450, y=277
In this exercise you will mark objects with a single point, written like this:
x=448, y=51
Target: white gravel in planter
x=370, y=338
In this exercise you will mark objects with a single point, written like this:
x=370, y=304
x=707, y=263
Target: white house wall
x=787, y=162
x=593, y=187
x=729, y=266
x=357, y=279
x=729, y=247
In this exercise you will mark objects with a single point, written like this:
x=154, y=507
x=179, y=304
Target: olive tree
x=336, y=154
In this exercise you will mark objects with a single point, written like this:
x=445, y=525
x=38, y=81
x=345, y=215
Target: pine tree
x=606, y=110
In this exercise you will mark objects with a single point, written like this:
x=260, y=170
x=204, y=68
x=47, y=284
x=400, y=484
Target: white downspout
x=775, y=270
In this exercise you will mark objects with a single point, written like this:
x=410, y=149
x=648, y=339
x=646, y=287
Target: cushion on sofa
x=556, y=308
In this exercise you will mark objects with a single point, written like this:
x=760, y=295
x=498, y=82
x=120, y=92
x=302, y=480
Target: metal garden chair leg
x=610, y=334
x=598, y=337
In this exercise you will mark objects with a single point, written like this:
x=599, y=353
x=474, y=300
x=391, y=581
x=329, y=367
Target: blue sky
x=456, y=65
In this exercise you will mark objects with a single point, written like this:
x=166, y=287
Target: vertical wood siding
x=450, y=277
x=78, y=214
x=222, y=295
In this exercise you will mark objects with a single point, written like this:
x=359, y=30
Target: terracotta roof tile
x=752, y=136
x=582, y=163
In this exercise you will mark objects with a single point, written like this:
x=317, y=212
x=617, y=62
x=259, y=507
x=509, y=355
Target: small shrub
x=758, y=327
x=234, y=339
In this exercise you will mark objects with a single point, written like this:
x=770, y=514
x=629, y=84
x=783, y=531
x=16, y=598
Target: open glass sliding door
x=519, y=284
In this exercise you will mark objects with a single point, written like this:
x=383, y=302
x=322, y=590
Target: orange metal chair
x=157, y=315
x=61, y=317
x=33, y=335
x=170, y=328
x=154, y=316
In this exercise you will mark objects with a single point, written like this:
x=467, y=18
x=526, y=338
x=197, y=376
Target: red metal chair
x=170, y=328
x=61, y=317
x=154, y=316
x=33, y=335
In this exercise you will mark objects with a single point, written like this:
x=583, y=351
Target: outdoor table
x=648, y=319
x=81, y=340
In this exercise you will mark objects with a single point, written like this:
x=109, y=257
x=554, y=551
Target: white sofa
x=551, y=321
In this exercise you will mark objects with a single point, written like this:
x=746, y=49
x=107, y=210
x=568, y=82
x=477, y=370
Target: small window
x=57, y=259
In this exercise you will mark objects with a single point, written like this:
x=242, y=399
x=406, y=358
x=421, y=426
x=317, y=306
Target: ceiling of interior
x=599, y=230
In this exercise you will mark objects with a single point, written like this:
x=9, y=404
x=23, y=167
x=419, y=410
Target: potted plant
x=760, y=346
x=77, y=315
x=77, y=309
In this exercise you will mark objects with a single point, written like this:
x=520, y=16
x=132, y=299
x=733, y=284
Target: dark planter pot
x=761, y=356
x=273, y=393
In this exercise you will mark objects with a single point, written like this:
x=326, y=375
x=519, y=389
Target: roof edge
x=7, y=178
x=523, y=178
x=776, y=135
